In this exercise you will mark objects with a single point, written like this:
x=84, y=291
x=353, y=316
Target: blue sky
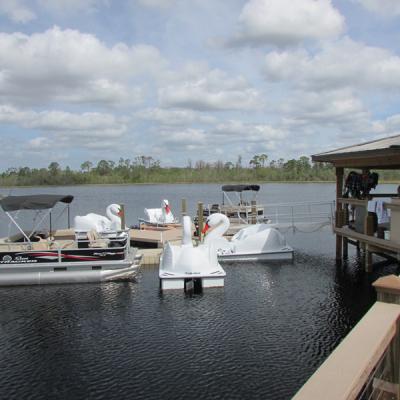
x=183, y=80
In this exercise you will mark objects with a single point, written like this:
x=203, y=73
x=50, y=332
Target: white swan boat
x=259, y=242
x=183, y=266
x=159, y=217
x=99, y=223
x=34, y=259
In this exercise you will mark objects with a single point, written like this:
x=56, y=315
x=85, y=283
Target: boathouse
x=355, y=224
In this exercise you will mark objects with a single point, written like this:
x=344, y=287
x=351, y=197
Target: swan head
x=165, y=206
x=114, y=209
x=215, y=220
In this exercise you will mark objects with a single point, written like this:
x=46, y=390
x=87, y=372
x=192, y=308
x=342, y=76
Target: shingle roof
x=383, y=152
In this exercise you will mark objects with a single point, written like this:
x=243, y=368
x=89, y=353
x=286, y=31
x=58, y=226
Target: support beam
x=339, y=211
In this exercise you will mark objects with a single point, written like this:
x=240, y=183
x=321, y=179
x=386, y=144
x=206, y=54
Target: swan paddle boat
x=35, y=257
x=183, y=266
x=159, y=217
x=99, y=223
x=259, y=242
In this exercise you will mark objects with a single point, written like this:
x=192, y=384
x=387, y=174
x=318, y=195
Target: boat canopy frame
x=238, y=190
x=38, y=203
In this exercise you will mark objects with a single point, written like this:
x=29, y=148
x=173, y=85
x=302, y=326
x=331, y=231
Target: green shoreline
x=394, y=182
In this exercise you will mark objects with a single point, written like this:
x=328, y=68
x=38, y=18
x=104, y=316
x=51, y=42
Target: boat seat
x=95, y=240
x=41, y=245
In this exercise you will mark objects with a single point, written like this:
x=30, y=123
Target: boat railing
x=366, y=363
x=116, y=240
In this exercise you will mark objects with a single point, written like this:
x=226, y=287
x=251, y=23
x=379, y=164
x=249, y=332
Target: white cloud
x=199, y=88
x=16, y=11
x=387, y=8
x=388, y=126
x=71, y=6
x=174, y=117
x=85, y=126
x=157, y=3
x=236, y=130
x=344, y=63
x=38, y=144
x=287, y=22
x=69, y=65
x=339, y=106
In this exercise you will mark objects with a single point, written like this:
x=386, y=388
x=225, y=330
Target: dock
x=154, y=238
x=355, y=223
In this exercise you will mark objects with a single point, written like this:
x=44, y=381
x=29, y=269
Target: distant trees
x=146, y=169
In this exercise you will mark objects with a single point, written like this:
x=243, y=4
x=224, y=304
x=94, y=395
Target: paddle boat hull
x=257, y=257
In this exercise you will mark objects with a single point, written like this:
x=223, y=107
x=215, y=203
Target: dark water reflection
x=260, y=337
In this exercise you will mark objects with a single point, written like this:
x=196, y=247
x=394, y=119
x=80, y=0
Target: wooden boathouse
x=360, y=229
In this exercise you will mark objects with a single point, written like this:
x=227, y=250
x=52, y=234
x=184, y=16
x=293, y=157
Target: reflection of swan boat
x=159, y=217
x=259, y=242
x=185, y=265
x=236, y=206
x=91, y=257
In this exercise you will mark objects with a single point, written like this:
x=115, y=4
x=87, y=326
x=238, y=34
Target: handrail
x=345, y=372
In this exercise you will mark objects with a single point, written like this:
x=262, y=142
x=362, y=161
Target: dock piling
x=253, y=212
x=200, y=209
x=123, y=222
x=183, y=207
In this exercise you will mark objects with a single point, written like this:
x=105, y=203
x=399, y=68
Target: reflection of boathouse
x=354, y=224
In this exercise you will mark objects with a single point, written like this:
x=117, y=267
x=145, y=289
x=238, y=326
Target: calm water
x=260, y=337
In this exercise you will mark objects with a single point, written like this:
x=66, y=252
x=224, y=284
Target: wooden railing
x=349, y=368
x=366, y=364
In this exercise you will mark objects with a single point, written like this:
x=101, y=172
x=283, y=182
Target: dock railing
x=298, y=215
x=308, y=216
x=366, y=364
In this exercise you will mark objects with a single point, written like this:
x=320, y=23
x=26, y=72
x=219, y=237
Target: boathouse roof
x=380, y=154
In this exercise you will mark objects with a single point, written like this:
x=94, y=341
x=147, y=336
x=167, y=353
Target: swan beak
x=167, y=209
x=119, y=213
x=205, y=229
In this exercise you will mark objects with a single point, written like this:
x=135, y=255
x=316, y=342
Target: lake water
x=260, y=337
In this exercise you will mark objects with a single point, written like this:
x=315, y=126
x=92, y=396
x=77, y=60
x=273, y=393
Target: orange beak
x=205, y=229
x=120, y=213
x=167, y=209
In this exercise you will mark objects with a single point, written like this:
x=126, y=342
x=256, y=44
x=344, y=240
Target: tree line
x=146, y=169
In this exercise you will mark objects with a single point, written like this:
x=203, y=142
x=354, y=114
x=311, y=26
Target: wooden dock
x=146, y=238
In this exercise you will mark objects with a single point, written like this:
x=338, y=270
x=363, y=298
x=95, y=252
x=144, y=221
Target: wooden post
x=368, y=259
x=368, y=230
x=253, y=212
x=345, y=239
x=200, y=218
x=184, y=207
x=339, y=219
x=123, y=223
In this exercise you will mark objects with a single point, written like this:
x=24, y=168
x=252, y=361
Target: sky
x=187, y=80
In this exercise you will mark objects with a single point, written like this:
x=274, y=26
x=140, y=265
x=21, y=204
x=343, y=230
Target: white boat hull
x=248, y=257
x=56, y=273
